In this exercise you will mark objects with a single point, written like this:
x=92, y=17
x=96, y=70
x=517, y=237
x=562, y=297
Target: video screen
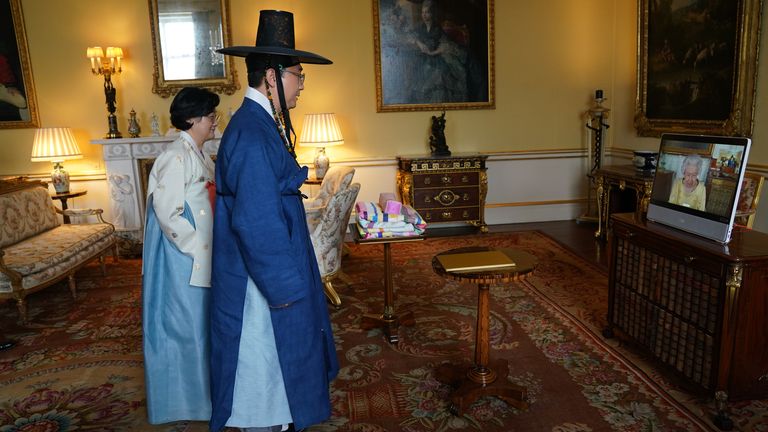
x=698, y=177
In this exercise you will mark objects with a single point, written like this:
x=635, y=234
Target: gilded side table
x=620, y=177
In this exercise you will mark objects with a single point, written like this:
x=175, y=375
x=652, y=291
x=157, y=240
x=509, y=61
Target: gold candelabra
x=108, y=65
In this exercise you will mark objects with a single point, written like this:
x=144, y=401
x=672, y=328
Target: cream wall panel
x=533, y=213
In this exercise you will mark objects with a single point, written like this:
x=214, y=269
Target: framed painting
x=433, y=55
x=18, y=106
x=697, y=66
x=751, y=189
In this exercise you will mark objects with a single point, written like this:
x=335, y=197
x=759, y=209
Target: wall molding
x=537, y=203
x=492, y=156
x=81, y=177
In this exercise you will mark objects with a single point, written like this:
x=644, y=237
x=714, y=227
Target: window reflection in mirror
x=190, y=38
x=186, y=35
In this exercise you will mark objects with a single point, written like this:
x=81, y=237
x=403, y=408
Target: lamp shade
x=95, y=52
x=55, y=145
x=320, y=130
x=114, y=52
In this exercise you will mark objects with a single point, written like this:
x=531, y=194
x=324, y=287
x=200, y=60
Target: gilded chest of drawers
x=445, y=189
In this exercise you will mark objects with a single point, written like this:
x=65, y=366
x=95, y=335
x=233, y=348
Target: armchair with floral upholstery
x=328, y=236
x=337, y=178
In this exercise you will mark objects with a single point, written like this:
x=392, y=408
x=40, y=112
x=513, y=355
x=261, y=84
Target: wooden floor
x=577, y=236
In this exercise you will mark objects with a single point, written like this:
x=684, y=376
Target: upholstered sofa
x=36, y=250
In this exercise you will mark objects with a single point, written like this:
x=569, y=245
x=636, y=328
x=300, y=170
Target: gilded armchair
x=337, y=178
x=328, y=236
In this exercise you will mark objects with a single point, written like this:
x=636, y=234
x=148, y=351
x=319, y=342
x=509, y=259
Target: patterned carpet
x=78, y=366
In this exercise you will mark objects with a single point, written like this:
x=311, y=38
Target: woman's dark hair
x=192, y=102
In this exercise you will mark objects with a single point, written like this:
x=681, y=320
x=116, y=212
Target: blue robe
x=260, y=232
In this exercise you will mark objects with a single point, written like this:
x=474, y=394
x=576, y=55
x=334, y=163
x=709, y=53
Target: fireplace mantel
x=122, y=157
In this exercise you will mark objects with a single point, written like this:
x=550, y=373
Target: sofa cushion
x=54, y=251
x=25, y=213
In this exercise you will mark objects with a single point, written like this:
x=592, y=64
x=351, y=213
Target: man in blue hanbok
x=272, y=350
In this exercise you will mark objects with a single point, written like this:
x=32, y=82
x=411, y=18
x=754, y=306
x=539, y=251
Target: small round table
x=388, y=320
x=64, y=196
x=472, y=381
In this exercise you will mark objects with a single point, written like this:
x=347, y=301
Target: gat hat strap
x=289, y=132
x=279, y=119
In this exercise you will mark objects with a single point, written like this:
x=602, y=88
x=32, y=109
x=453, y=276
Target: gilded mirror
x=185, y=37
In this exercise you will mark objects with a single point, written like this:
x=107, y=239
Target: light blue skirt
x=176, y=330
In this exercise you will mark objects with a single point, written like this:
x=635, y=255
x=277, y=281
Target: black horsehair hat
x=276, y=47
x=275, y=37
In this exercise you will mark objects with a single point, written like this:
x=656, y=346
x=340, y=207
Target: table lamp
x=56, y=145
x=320, y=131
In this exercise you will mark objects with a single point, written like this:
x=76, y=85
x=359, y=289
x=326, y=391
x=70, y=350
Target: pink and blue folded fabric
x=388, y=218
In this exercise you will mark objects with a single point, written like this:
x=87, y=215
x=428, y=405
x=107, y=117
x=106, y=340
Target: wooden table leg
x=64, y=207
x=481, y=378
x=388, y=320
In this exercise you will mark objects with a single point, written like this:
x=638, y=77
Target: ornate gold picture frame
x=18, y=103
x=697, y=66
x=433, y=55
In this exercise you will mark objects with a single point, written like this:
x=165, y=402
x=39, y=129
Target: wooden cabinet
x=698, y=307
x=445, y=189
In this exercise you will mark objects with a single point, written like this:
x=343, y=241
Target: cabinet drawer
x=450, y=214
x=685, y=255
x=689, y=294
x=449, y=179
x=448, y=197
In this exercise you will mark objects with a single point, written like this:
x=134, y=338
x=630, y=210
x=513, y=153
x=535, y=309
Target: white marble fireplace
x=128, y=161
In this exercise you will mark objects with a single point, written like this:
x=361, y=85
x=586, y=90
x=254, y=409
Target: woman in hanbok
x=177, y=266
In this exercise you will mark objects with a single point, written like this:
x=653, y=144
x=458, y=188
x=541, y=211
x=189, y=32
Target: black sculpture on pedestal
x=437, y=138
x=110, y=94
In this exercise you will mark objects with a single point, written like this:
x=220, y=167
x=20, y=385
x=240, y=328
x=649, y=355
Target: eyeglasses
x=300, y=76
x=213, y=117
